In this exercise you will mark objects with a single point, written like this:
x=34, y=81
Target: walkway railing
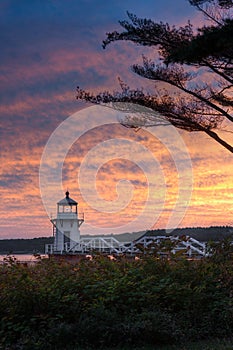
x=110, y=245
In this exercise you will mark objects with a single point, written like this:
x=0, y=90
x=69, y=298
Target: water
x=21, y=257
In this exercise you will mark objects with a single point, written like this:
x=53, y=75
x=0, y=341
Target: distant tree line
x=203, y=234
x=33, y=245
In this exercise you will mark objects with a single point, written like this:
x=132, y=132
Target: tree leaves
x=186, y=58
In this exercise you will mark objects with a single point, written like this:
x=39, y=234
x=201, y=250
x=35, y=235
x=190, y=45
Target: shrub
x=103, y=303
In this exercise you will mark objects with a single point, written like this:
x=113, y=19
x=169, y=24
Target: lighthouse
x=66, y=225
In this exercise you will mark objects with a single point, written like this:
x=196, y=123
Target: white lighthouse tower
x=66, y=225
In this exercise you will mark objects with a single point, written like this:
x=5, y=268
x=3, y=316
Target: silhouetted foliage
x=101, y=303
x=222, y=3
x=197, y=67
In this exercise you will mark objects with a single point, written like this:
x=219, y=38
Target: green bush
x=102, y=303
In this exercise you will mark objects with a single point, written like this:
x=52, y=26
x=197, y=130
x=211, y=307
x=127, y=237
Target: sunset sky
x=50, y=47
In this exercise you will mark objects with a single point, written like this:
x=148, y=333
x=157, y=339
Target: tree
x=195, y=65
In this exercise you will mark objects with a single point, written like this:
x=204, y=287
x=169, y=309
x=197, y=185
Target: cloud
x=46, y=50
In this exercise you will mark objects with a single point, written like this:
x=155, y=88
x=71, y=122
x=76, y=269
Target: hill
x=203, y=234
x=24, y=246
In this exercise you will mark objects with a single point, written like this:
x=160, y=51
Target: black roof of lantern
x=67, y=200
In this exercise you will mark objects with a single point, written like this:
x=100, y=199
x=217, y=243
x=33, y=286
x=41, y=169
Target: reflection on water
x=22, y=257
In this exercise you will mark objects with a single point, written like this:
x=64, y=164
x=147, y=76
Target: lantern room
x=67, y=205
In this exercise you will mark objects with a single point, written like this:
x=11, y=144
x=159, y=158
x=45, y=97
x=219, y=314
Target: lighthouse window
x=67, y=209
